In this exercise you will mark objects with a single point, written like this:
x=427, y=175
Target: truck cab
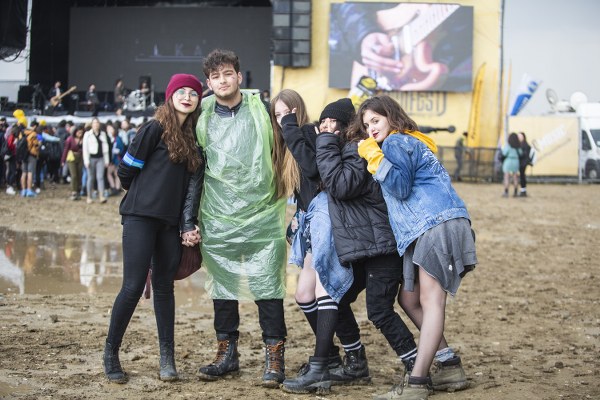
x=589, y=152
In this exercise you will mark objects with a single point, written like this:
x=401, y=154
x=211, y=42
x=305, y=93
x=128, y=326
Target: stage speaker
x=13, y=27
x=25, y=94
x=291, y=32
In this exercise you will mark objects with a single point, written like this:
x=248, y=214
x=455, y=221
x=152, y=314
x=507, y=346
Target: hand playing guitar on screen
x=401, y=58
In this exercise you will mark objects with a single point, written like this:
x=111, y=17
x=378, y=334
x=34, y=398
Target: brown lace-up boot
x=274, y=363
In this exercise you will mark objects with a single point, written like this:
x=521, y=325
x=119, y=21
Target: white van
x=589, y=152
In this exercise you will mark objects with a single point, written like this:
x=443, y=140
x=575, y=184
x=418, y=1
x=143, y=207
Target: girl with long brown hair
x=161, y=161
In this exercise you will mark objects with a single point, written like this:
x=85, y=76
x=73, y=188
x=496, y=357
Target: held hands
x=191, y=238
x=370, y=151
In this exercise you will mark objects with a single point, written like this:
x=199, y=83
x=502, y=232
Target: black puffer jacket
x=301, y=141
x=361, y=228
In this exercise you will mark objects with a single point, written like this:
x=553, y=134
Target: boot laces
x=221, y=351
x=275, y=356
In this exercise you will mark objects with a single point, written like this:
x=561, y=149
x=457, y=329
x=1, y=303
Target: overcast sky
x=557, y=42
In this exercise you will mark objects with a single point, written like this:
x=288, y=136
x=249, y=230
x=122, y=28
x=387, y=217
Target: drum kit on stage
x=135, y=101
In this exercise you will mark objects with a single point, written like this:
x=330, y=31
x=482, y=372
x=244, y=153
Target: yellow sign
x=555, y=140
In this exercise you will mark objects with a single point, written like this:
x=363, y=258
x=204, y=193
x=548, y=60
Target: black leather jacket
x=191, y=201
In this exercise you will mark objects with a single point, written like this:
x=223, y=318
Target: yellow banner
x=555, y=140
x=474, y=137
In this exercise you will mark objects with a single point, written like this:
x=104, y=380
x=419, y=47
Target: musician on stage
x=91, y=97
x=119, y=95
x=55, y=93
x=146, y=93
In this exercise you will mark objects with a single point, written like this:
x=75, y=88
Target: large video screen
x=134, y=43
x=403, y=46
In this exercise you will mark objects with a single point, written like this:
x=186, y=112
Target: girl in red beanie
x=158, y=170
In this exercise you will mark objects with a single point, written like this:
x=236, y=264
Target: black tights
x=145, y=241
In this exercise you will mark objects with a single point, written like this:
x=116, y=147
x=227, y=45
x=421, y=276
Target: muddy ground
x=526, y=322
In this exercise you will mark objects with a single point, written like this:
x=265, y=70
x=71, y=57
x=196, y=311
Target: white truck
x=567, y=144
x=589, y=152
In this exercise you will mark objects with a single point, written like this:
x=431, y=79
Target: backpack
x=55, y=151
x=33, y=144
x=500, y=157
x=4, y=150
x=21, y=149
x=44, y=150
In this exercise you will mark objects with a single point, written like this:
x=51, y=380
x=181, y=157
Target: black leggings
x=522, y=176
x=146, y=241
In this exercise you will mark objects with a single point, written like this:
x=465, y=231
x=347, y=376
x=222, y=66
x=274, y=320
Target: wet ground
x=526, y=322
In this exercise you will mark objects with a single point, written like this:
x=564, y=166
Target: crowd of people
x=376, y=211
x=35, y=155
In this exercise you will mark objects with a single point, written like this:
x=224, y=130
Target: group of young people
x=375, y=211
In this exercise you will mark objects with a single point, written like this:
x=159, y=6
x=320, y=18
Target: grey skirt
x=446, y=252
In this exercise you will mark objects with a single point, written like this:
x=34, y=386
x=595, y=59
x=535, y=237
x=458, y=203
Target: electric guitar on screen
x=419, y=71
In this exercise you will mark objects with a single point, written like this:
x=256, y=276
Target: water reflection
x=52, y=263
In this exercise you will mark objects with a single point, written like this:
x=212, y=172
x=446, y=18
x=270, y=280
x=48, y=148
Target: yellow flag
x=474, y=127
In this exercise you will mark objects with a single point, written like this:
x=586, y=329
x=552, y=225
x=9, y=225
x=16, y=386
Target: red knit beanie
x=183, y=80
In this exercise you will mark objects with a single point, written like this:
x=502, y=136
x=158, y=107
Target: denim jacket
x=416, y=188
x=335, y=278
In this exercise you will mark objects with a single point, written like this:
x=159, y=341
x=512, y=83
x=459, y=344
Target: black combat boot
x=226, y=362
x=274, y=363
x=354, y=370
x=335, y=361
x=167, y=362
x=334, y=358
x=315, y=379
x=112, y=366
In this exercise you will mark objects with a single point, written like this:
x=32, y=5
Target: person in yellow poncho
x=241, y=218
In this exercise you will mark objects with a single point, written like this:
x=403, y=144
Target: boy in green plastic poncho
x=241, y=218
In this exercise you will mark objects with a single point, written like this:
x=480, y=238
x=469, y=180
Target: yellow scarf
x=423, y=138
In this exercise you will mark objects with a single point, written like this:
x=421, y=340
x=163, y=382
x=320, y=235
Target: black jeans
x=145, y=241
x=270, y=318
x=384, y=276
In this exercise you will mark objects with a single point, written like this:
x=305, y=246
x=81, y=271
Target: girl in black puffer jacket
x=362, y=233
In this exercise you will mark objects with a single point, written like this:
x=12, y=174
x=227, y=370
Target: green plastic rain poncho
x=241, y=220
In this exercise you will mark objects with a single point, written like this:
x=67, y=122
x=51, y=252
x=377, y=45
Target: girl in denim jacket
x=433, y=232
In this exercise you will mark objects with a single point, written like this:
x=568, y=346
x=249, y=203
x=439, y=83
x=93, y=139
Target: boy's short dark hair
x=219, y=57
